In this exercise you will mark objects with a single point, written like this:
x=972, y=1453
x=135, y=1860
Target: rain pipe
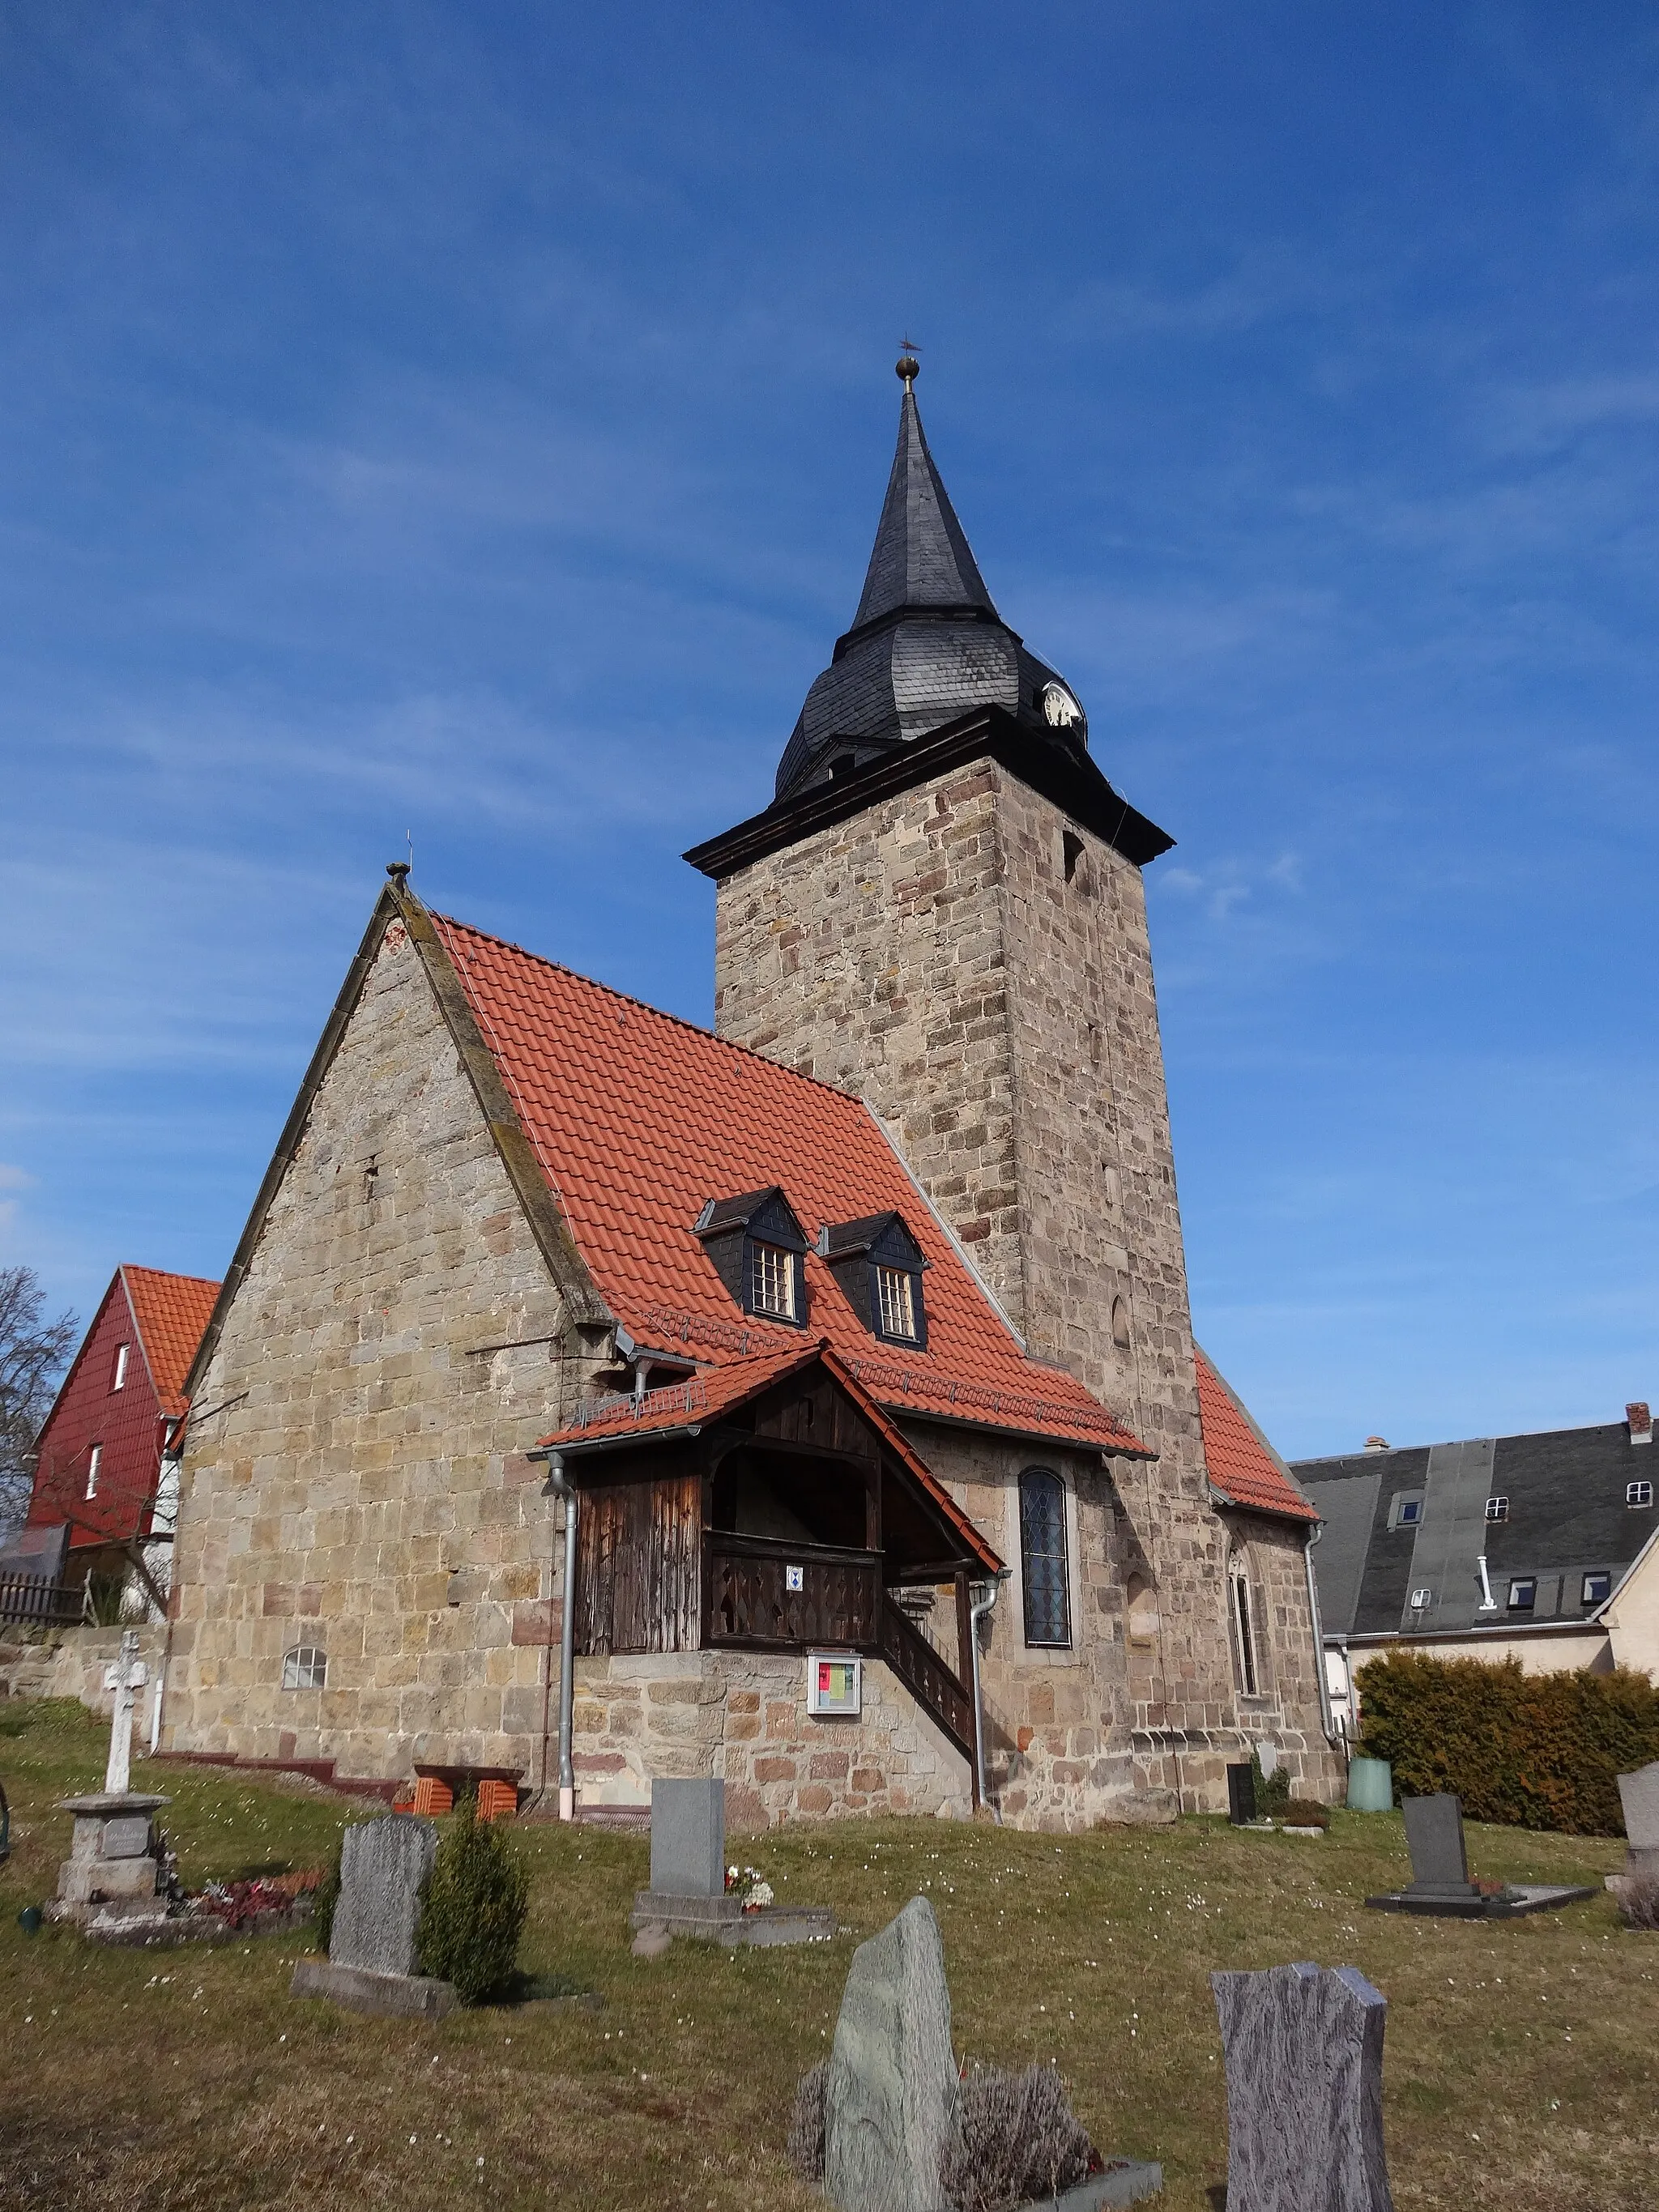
x=560, y=1486
x=976, y=1613
x=1327, y=1720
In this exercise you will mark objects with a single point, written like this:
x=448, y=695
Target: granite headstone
x=1434, y=1836
x=1639, y=1795
x=687, y=1839
x=384, y=1865
x=891, y=2100
x=1304, y=2052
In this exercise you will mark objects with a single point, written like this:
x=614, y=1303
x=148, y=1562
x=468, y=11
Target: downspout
x=976, y=1613
x=1326, y=1719
x=560, y=1486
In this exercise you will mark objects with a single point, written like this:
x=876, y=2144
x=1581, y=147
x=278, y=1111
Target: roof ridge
x=166, y=1275
x=661, y=1013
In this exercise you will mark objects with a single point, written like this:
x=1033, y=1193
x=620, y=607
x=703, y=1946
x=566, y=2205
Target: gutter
x=1326, y=1719
x=559, y=1485
x=976, y=1613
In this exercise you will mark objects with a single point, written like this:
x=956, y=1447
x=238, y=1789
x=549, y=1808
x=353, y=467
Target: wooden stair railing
x=935, y=1687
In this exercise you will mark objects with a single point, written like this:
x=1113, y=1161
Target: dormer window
x=759, y=1252
x=878, y=1264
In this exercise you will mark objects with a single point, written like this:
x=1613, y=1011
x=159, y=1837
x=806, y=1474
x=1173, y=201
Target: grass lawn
x=1521, y=2056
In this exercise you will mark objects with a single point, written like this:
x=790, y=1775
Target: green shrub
x=1530, y=1751
x=1272, y=1791
x=474, y=1909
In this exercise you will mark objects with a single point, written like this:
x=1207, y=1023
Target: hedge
x=1530, y=1751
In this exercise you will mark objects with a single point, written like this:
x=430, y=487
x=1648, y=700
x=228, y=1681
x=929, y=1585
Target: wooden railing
x=933, y=1684
x=28, y=1599
x=750, y=1600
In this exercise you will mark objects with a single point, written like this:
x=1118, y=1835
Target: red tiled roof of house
x=705, y=1397
x=171, y=1311
x=1242, y=1468
x=638, y=1119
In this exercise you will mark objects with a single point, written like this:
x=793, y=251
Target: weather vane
x=908, y=366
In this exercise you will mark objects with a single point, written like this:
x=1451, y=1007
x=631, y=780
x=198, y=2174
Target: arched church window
x=1247, y=1654
x=1043, y=1575
x=305, y=1667
x=1120, y=1324
x=1142, y=1612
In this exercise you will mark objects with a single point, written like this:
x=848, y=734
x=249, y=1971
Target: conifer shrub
x=1530, y=1751
x=473, y=1911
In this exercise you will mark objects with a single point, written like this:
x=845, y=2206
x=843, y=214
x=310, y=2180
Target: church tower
x=943, y=911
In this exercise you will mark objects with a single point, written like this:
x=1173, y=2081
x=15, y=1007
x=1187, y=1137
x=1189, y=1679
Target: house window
x=305, y=1667
x=1497, y=1508
x=1250, y=1675
x=119, y=1383
x=772, y=1280
x=1405, y=1509
x=897, y=1303
x=97, y=1454
x=1043, y=1559
x=1597, y=1589
x=1638, y=1493
x=1421, y=1599
x=1523, y=1593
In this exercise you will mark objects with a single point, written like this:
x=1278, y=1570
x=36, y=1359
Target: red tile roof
x=638, y=1119
x=172, y=1312
x=702, y=1398
x=1243, y=1466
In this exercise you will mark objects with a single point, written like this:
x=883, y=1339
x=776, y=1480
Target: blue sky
x=469, y=424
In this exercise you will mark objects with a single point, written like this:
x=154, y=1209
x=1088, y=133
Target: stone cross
x=1639, y=1795
x=127, y=1675
x=384, y=1865
x=891, y=2101
x=1303, y=2052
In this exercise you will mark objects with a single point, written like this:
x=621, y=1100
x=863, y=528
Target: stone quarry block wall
x=364, y=1489
x=1287, y=1711
x=979, y=969
x=70, y=1662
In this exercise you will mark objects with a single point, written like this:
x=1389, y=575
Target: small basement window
x=1597, y=1589
x=305, y=1667
x=1497, y=1508
x=1523, y=1593
x=119, y=1383
x=772, y=1280
x=93, y=1459
x=1638, y=1493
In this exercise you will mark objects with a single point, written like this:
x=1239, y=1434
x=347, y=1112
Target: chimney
x=1641, y=1422
x=1382, y=1443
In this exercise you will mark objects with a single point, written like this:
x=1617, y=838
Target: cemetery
x=1131, y=1978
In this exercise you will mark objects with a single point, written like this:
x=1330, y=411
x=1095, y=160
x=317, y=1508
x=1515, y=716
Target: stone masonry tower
x=943, y=911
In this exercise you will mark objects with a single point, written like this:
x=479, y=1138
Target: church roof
x=1243, y=1466
x=637, y=1120
x=927, y=645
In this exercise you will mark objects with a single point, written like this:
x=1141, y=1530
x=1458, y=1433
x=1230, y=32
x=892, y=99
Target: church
x=812, y=1401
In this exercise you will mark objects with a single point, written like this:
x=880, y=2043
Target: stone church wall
x=356, y=1479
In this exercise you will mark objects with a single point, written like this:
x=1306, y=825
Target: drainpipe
x=976, y=1613
x=1488, y=1603
x=1326, y=1720
x=560, y=1486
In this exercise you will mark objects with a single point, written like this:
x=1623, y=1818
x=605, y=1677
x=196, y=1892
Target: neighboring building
x=827, y=1316
x=105, y=1469
x=1537, y=1548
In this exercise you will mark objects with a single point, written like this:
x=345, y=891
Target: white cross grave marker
x=128, y=1673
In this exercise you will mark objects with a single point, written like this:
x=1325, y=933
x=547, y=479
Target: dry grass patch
x=1520, y=2067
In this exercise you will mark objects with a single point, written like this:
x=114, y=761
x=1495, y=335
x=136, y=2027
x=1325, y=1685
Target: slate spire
x=921, y=557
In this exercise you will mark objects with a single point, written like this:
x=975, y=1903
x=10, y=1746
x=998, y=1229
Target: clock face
x=1060, y=709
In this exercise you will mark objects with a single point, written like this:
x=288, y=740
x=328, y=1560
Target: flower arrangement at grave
x=750, y=1886
x=261, y=1898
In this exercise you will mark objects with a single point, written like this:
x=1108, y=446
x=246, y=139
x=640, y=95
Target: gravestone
x=1440, y=1871
x=384, y=1866
x=1639, y=1793
x=892, y=2099
x=114, y=1870
x=688, y=1894
x=1241, y=1794
x=1304, y=2052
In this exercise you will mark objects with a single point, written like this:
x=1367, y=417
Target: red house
x=99, y=1456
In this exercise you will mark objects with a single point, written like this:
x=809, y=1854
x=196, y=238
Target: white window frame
x=1637, y=1494
x=772, y=1269
x=1595, y=1575
x=1528, y=1583
x=305, y=1667
x=120, y=1382
x=94, y=1460
x=1497, y=1508
x=896, y=1303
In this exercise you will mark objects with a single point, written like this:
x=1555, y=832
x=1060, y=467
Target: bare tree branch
x=33, y=1354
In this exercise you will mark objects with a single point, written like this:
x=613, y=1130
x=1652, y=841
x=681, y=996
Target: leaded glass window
x=1043, y=1559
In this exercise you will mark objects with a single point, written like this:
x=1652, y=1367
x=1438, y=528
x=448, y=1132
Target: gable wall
x=366, y=1487
x=126, y=1422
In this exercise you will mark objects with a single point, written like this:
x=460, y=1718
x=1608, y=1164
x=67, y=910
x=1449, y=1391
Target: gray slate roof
x=1567, y=1518
x=927, y=645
